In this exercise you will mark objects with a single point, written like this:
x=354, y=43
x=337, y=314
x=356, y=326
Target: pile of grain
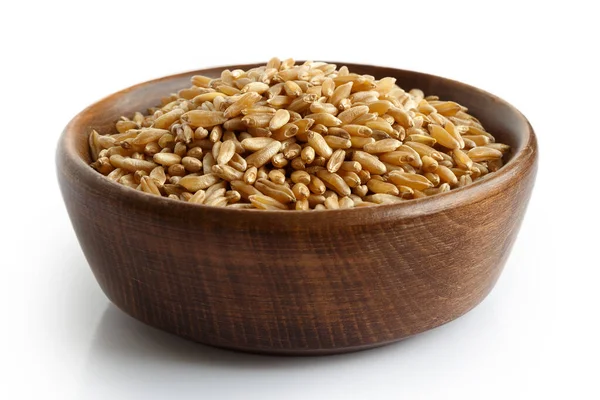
x=297, y=137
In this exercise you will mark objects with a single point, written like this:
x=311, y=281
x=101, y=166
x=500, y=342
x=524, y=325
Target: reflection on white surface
x=128, y=358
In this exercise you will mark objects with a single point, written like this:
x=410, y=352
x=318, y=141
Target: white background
x=535, y=336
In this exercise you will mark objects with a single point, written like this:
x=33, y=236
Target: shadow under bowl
x=297, y=282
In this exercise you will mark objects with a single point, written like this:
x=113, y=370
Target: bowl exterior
x=292, y=282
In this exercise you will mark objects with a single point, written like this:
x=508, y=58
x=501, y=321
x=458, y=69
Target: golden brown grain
x=195, y=183
x=263, y=202
x=364, y=176
x=351, y=178
x=285, y=132
x=353, y=166
x=443, y=137
x=216, y=190
x=335, y=161
x=301, y=191
x=300, y=177
x=429, y=164
x=280, y=118
x=446, y=175
x=281, y=193
x=198, y=197
x=316, y=185
x=334, y=182
x=310, y=134
x=204, y=119
x=495, y=164
x=483, y=153
x=360, y=191
x=131, y=164
x=318, y=128
x=316, y=141
x=148, y=186
x=159, y=176
x=264, y=155
x=292, y=151
x=414, y=181
x=369, y=162
x=378, y=186
x=238, y=162
x=382, y=146
x=176, y=170
x=345, y=202
x=227, y=173
x=116, y=174
x=277, y=176
x=381, y=198
x=166, y=159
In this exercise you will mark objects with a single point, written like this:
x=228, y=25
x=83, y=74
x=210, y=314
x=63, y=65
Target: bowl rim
x=67, y=157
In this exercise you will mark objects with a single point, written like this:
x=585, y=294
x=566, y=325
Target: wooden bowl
x=297, y=282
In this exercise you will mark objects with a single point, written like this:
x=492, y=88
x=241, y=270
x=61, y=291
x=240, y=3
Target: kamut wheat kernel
x=297, y=137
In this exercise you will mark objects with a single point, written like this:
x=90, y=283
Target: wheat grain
x=300, y=177
x=176, y=170
x=301, y=191
x=334, y=182
x=262, y=156
x=381, y=198
x=131, y=164
x=501, y=147
x=116, y=174
x=204, y=119
x=316, y=141
x=226, y=152
x=351, y=178
x=285, y=132
x=369, y=162
x=238, y=162
x=227, y=172
x=478, y=140
x=195, y=183
x=495, y=164
x=479, y=154
x=382, y=146
x=198, y=197
x=166, y=159
x=335, y=161
x=443, y=137
x=316, y=185
x=414, y=181
x=277, y=176
x=364, y=176
x=378, y=186
x=446, y=175
x=149, y=186
x=159, y=176
x=310, y=134
x=281, y=193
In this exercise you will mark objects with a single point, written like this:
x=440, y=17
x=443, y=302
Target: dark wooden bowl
x=297, y=282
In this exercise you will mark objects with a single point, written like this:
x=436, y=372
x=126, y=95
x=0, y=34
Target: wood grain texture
x=297, y=282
